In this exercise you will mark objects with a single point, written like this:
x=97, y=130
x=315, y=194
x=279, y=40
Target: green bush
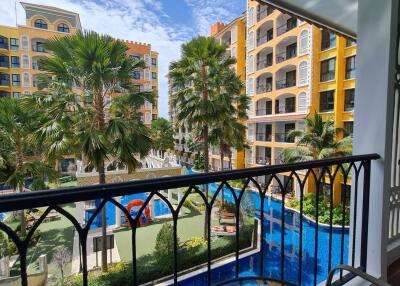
x=165, y=246
x=38, y=184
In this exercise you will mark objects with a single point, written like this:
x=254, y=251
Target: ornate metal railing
x=257, y=181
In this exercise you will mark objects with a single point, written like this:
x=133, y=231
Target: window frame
x=16, y=64
x=328, y=40
x=329, y=74
x=153, y=75
x=327, y=102
x=40, y=24
x=4, y=43
x=6, y=63
x=349, y=99
x=14, y=44
x=351, y=65
x=62, y=27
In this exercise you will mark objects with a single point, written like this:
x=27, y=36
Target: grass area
x=63, y=185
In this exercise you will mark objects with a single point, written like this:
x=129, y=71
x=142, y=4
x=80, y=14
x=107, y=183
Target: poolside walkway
x=91, y=256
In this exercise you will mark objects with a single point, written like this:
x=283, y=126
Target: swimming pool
x=250, y=266
x=160, y=208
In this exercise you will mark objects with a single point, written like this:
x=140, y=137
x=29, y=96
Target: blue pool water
x=160, y=208
x=250, y=266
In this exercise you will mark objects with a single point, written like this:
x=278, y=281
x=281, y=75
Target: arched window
x=303, y=73
x=25, y=43
x=63, y=28
x=304, y=42
x=302, y=102
x=41, y=24
x=250, y=86
x=251, y=17
x=25, y=61
x=251, y=41
x=251, y=64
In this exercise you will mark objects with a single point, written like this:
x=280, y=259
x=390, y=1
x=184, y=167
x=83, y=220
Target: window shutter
x=304, y=42
x=303, y=73
x=233, y=52
x=25, y=43
x=250, y=40
x=250, y=16
x=234, y=34
x=146, y=74
x=302, y=102
x=251, y=64
x=26, y=79
x=25, y=61
x=147, y=60
x=250, y=86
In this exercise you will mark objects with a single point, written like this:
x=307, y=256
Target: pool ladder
x=356, y=272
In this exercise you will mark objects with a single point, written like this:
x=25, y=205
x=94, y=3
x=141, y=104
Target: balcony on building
x=282, y=130
x=264, y=107
x=285, y=103
x=263, y=11
x=38, y=45
x=35, y=63
x=264, y=58
x=286, y=49
x=265, y=33
x=285, y=23
x=226, y=38
x=263, y=132
x=264, y=83
x=286, y=77
x=263, y=155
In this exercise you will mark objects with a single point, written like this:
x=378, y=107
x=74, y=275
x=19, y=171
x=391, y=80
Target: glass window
x=136, y=57
x=154, y=75
x=349, y=99
x=4, y=93
x=15, y=62
x=63, y=28
x=291, y=51
x=16, y=80
x=328, y=40
x=328, y=69
x=4, y=61
x=3, y=42
x=154, y=117
x=153, y=62
x=348, y=128
x=327, y=101
x=39, y=47
x=351, y=67
x=4, y=79
x=25, y=61
x=136, y=74
x=16, y=94
x=14, y=44
x=41, y=24
x=350, y=42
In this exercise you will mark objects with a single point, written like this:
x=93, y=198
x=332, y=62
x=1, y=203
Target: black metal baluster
x=365, y=214
x=83, y=241
x=237, y=204
x=22, y=260
x=282, y=230
x=208, y=210
x=343, y=195
x=175, y=220
x=317, y=181
x=301, y=232
x=353, y=248
x=262, y=197
x=332, y=180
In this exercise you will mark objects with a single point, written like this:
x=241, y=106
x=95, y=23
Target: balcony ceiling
x=340, y=16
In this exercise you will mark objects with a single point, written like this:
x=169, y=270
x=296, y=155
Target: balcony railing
x=262, y=64
x=263, y=111
x=39, y=49
x=285, y=28
x=285, y=83
x=283, y=137
x=265, y=137
x=285, y=56
x=312, y=260
x=263, y=39
x=288, y=108
x=264, y=12
x=260, y=160
x=264, y=88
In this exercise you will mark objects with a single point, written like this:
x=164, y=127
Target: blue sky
x=165, y=24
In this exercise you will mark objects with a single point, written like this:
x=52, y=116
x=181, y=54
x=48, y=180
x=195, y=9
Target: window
x=349, y=99
x=288, y=128
x=250, y=40
x=250, y=86
x=250, y=65
x=14, y=44
x=4, y=61
x=304, y=42
x=154, y=116
x=303, y=72
x=41, y=24
x=291, y=23
x=25, y=61
x=136, y=57
x=25, y=43
x=15, y=62
x=63, y=28
x=348, y=128
x=136, y=75
x=328, y=40
x=351, y=67
x=327, y=101
x=328, y=70
x=290, y=78
x=270, y=34
x=153, y=62
x=16, y=94
x=350, y=42
x=3, y=43
x=4, y=93
x=26, y=79
x=250, y=16
x=290, y=104
x=153, y=75
x=291, y=51
x=4, y=79
x=39, y=47
x=16, y=80
x=302, y=102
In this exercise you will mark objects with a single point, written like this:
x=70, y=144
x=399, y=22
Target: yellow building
x=21, y=47
x=233, y=35
x=293, y=69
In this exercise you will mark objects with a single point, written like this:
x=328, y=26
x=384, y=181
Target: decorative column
x=118, y=214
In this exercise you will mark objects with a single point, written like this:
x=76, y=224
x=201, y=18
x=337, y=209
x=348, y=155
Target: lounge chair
x=223, y=230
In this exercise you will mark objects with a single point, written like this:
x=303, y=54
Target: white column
x=179, y=196
x=374, y=101
x=169, y=195
x=118, y=213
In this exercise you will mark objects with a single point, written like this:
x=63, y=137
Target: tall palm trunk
x=221, y=154
x=100, y=123
x=205, y=140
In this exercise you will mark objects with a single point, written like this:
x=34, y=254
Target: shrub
x=38, y=184
x=165, y=246
x=196, y=242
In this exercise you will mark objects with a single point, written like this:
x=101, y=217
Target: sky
x=165, y=24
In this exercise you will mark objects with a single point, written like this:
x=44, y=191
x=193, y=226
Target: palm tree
x=162, y=134
x=99, y=66
x=16, y=128
x=318, y=141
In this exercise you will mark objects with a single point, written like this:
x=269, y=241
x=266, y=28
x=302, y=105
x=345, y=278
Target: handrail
x=356, y=272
